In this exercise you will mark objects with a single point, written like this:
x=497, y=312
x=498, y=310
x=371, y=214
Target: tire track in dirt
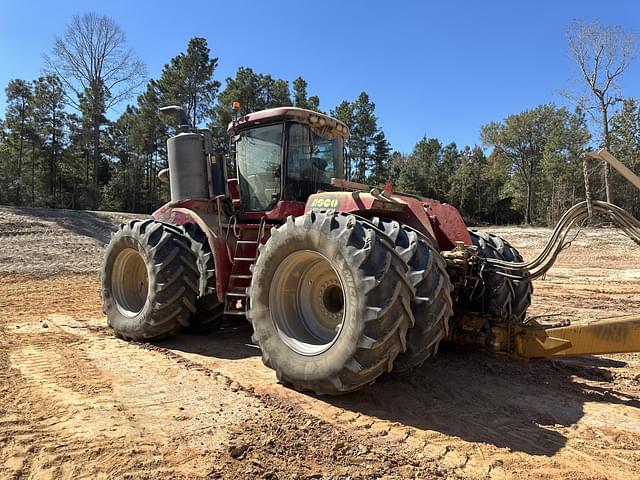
x=82, y=395
x=490, y=418
x=76, y=402
x=289, y=432
x=58, y=424
x=68, y=418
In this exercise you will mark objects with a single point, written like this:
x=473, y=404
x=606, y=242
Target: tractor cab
x=285, y=154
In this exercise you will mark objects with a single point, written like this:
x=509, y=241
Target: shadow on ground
x=522, y=406
x=97, y=225
x=230, y=343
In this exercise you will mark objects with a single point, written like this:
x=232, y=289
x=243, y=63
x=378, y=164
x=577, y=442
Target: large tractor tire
x=329, y=303
x=149, y=281
x=209, y=310
x=503, y=298
x=432, y=306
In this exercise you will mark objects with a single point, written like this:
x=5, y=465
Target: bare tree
x=93, y=61
x=602, y=53
x=93, y=52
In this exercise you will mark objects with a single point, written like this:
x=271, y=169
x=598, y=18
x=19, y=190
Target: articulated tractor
x=341, y=282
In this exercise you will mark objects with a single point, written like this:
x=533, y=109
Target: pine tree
x=76, y=165
x=275, y=92
x=93, y=105
x=120, y=190
x=313, y=103
x=344, y=113
x=300, y=98
x=380, y=168
x=150, y=134
x=449, y=161
x=187, y=80
x=625, y=145
x=300, y=93
x=420, y=172
x=49, y=104
x=362, y=135
x=19, y=121
x=5, y=165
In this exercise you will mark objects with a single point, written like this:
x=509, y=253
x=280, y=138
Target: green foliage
x=381, y=166
x=254, y=91
x=625, y=145
x=48, y=132
x=93, y=106
x=528, y=137
x=50, y=156
x=5, y=167
x=368, y=151
x=300, y=98
x=19, y=122
x=418, y=174
x=187, y=80
x=363, y=131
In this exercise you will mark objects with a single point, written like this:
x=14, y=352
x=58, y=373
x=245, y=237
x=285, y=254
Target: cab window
x=313, y=158
x=258, y=160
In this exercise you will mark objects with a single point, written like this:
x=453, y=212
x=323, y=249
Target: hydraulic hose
x=578, y=213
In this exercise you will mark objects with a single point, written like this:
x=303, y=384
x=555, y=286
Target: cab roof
x=295, y=114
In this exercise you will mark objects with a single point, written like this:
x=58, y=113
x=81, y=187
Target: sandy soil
x=75, y=402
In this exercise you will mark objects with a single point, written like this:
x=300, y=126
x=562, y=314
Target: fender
x=181, y=214
x=440, y=221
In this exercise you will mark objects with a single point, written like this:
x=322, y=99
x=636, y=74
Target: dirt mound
x=45, y=241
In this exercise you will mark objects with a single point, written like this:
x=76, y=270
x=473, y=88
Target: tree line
x=58, y=147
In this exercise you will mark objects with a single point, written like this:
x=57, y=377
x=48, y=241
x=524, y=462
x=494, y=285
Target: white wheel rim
x=130, y=282
x=307, y=302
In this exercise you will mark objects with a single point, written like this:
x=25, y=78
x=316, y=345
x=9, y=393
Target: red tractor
x=341, y=282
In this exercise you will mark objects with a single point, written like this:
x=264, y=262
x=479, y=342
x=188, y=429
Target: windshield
x=313, y=158
x=258, y=154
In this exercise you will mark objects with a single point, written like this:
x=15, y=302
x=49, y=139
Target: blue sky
x=440, y=69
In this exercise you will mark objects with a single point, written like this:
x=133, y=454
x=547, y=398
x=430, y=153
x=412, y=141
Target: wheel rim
x=307, y=302
x=130, y=282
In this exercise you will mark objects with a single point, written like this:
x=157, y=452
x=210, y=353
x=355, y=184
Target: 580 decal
x=324, y=203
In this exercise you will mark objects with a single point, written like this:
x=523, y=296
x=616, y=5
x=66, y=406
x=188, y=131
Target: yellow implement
x=611, y=335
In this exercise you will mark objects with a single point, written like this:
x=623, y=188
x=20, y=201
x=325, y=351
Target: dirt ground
x=75, y=402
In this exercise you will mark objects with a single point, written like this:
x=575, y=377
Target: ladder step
x=245, y=259
x=247, y=242
x=241, y=276
x=234, y=312
x=236, y=294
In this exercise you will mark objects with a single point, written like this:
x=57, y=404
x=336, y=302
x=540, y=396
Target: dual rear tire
x=158, y=279
x=503, y=299
x=333, y=301
x=149, y=280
